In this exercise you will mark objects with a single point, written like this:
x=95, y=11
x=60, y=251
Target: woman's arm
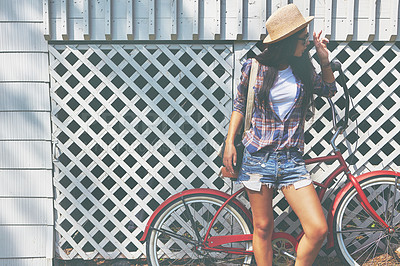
x=324, y=83
x=237, y=117
x=323, y=54
x=230, y=155
x=327, y=73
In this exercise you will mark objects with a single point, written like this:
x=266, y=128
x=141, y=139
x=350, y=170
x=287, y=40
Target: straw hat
x=284, y=22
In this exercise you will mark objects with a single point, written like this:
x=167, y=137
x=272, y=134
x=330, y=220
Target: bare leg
x=306, y=205
x=263, y=222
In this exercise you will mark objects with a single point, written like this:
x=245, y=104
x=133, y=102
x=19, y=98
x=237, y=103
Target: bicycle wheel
x=360, y=240
x=175, y=240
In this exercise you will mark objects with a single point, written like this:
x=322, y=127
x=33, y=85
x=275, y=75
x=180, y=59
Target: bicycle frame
x=215, y=243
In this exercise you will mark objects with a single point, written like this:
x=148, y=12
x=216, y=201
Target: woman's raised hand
x=320, y=46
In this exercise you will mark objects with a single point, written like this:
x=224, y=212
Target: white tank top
x=284, y=92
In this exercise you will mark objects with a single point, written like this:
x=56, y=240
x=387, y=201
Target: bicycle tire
x=165, y=249
x=369, y=243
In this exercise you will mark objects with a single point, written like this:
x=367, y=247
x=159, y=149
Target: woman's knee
x=318, y=232
x=264, y=227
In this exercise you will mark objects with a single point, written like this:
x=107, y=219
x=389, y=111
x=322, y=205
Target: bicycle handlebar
x=336, y=66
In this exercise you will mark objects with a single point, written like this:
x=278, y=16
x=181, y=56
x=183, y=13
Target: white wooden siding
x=25, y=154
x=24, y=97
x=26, y=211
x=26, y=262
x=26, y=193
x=22, y=36
x=26, y=125
x=25, y=183
x=24, y=241
x=340, y=20
x=12, y=11
x=30, y=67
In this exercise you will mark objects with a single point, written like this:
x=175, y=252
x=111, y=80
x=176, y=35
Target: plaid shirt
x=268, y=130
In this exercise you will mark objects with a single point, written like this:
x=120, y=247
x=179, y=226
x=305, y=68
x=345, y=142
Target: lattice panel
x=132, y=122
x=133, y=125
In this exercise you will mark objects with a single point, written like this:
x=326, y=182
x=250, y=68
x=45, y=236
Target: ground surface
x=321, y=261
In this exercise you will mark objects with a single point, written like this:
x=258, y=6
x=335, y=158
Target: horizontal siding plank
x=30, y=67
x=25, y=126
x=12, y=11
x=26, y=211
x=25, y=154
x=22, y=37
x=26, y=183
x=24, y=97
x=25, y=241
x=27, y=262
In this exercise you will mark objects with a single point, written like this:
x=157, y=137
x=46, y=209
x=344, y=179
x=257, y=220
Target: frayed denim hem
x=256, y=186
x=297, y=184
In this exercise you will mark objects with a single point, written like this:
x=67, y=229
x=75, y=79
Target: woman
x=286, y=82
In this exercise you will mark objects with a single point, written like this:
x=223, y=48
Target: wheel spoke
x=394, y=199
x=360, y=239
x=359, y=230
x=173, y=241
x=170, y=233
x=374, y=245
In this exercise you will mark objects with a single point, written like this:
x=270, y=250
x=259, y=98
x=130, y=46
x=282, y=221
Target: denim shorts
x=276, y=169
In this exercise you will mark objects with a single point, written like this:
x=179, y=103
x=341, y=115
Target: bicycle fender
x=343, y=192
x=191, y=192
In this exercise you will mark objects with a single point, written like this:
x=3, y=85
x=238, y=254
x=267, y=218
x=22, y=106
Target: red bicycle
x=207, y=226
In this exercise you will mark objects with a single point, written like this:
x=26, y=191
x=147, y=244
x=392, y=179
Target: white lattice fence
x=135, y=124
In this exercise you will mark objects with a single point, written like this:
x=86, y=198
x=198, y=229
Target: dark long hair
x=282, y=52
